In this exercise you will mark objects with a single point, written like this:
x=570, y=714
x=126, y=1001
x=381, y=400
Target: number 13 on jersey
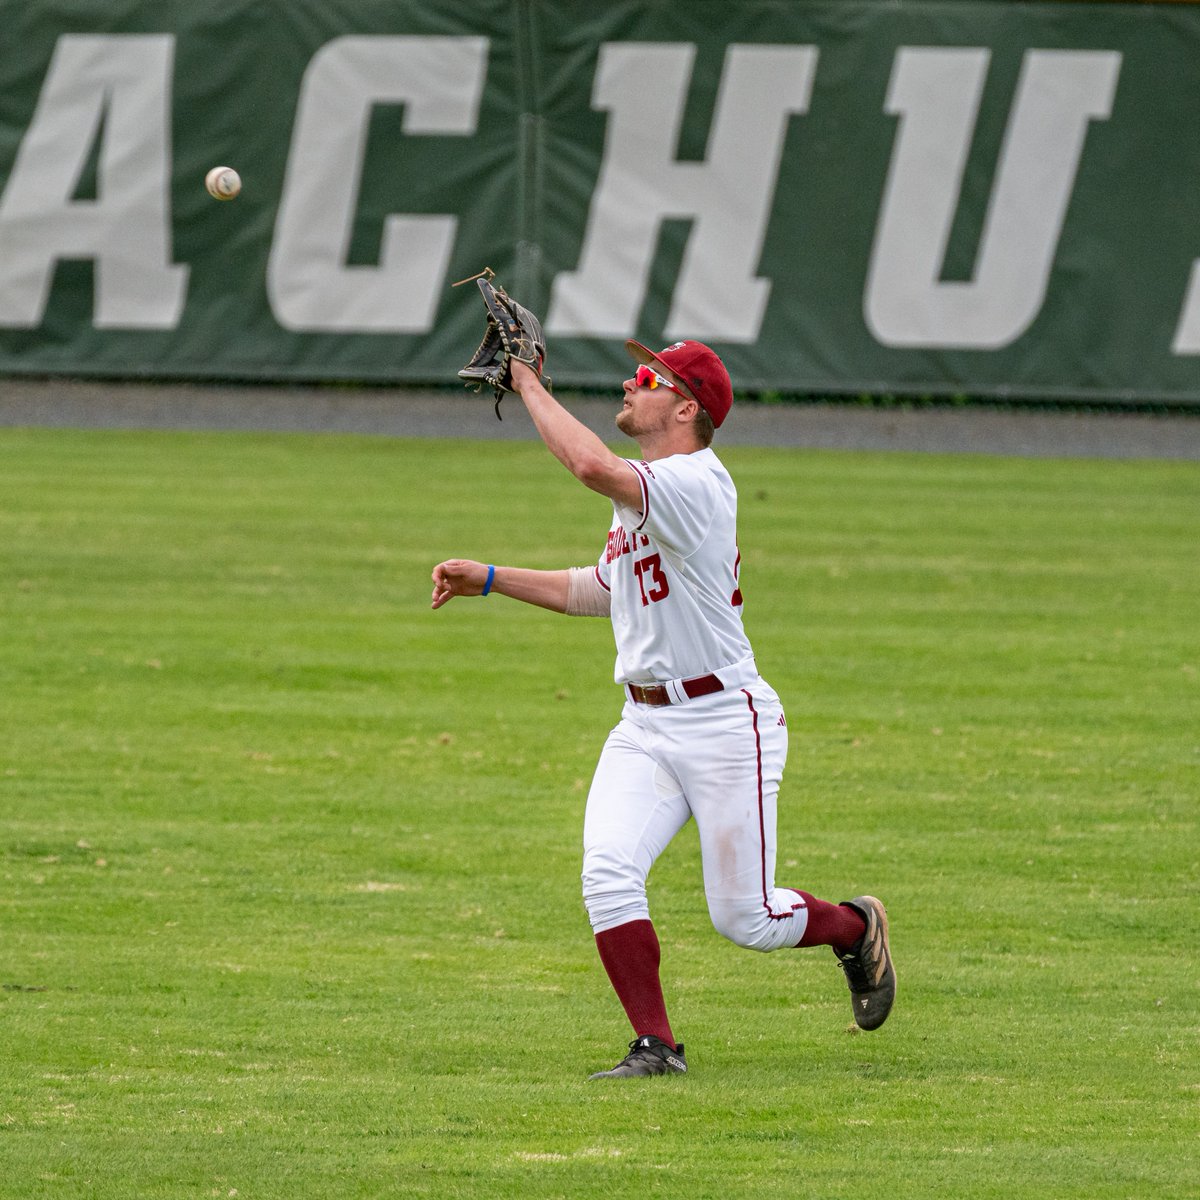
x=652, y=582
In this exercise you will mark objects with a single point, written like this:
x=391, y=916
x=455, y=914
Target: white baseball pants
x=719, y=759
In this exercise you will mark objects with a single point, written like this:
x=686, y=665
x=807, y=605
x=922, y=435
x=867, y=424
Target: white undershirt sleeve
x=586, y=595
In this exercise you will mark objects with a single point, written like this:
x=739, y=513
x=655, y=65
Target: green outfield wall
x=990, y=199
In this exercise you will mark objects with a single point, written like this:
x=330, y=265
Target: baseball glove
x=513, y=333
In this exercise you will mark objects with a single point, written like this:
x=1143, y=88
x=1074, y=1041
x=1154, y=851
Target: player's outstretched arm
x=574, y=444
x=464, y=577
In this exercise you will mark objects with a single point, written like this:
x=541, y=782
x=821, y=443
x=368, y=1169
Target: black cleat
x=647, y=1055
x=868, y=966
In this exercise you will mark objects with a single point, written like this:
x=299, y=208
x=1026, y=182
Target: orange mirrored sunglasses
x=647, y=377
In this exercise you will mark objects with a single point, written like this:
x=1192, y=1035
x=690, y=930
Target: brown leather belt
x=657, y=694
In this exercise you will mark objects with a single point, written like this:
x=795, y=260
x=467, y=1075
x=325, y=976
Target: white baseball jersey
x=672, y=569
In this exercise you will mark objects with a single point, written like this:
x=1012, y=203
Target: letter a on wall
x=112, y=93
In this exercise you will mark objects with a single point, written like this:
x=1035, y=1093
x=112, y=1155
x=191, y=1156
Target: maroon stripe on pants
x=762, y=821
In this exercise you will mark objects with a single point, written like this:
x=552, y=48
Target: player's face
x=651, y=401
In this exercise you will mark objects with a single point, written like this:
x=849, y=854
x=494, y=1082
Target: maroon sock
x=831, y=924
x=631, y=955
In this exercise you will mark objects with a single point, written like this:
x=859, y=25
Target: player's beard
x=636, y=424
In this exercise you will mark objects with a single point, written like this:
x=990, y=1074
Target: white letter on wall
x=936, y=93
x=124, y=82
x=1187, y=335
x=729, y=196
x=440, y=81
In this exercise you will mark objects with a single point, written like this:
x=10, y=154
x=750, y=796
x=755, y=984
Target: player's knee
x=607, y=910
x=744, y=926
x=613, y=896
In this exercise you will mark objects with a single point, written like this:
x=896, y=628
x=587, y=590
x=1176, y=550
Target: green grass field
x=290, y=900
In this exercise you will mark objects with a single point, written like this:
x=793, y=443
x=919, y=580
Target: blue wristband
x=487, y=587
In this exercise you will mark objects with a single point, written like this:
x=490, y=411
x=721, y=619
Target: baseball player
x=701, y=735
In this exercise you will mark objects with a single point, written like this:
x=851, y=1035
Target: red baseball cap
x=698, y=369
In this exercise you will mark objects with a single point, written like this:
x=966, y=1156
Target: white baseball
x=223, y=183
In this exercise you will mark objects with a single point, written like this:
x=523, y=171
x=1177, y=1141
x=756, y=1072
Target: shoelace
x=856, y=973
x=639, y=1050
x=637, y=1047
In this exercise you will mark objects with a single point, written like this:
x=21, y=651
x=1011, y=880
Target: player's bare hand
x=458, y=577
